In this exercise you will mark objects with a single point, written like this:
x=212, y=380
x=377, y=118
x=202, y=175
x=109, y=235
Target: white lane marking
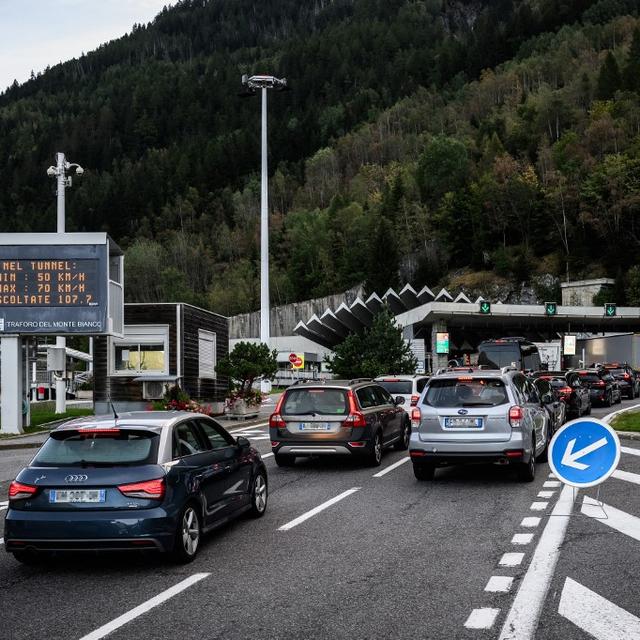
x=613, y=414
x=594, y=614
x=318, y=509
x=253, y=426
x=612, y=517
x=633, y=452
x=1, y=540
x=4, y=503
x=391, y=467
x=545, y=494
x=3, y=508
x=144, y=607
x=539, y=506
x=551, y=484
x=626, y=475
x=522, y=538
x=552, y=475
x=522, y=619
x=511, y=559
x=482, y=618
x=265, y=455
x=258, y=437
x=499, y=584
x=530, y=522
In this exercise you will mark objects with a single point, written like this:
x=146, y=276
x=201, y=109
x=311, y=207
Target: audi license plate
x=314, y=426
x=465, y=423
x=77, y=495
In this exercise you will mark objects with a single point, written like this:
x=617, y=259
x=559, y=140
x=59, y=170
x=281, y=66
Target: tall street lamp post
x=59, y=171
x=251, y=86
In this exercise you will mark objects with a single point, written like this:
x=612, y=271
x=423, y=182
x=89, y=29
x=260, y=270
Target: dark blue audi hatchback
x=141, y=481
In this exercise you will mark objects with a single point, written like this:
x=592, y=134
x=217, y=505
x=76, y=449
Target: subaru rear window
x=300, y=402
x=395, y=387
x=119, y=447
x=471, y=392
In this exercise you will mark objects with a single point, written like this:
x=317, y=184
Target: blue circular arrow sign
x=584, y=452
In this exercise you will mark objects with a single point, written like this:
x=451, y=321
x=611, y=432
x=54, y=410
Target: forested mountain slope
x=418, y=137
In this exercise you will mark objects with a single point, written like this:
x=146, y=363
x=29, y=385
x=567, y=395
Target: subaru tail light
x=414, y=400
x=19, y=491
x=153, y=489
x=516, y=415
x=416, y=417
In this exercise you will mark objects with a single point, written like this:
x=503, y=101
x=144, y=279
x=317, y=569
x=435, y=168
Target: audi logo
x=76, y=478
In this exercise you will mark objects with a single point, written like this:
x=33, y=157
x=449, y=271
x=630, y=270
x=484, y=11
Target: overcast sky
x=35, y=34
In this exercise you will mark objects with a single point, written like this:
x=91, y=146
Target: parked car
x=505, y=352
x=570, y=390
x=550, y=398
x=479, y=416
x=603, y=388
x=143, y=480
x=408, y=386
x=338, y=417
x=625, y=376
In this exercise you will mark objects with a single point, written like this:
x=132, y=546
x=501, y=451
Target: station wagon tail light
x=414, y=400
x=355, y=418
x=416, y=417
x=19, y=491
x=275, y=419
x=564, y=391
x=153, y=489
x=516, y=414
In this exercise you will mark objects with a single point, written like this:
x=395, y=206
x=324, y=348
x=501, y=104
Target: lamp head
x=52, y=172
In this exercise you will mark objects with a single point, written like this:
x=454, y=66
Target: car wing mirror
x=399, y=400
x=243, y=443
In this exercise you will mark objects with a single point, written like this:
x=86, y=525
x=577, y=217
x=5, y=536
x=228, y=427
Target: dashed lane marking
x=391, y=467
x=633, y=452
x=499, y=584
x=596, y=615
x=318, y=509
x=482, y=618
x=249, y=427
x=619, y=520
x=545, y=494
x=144, y=607
x=626, y=475
x=539, y=506
x=1, y=540
x=551, y=484
x=522, y=538
x=530, y=522
x=522, y=619
x=511, y=559
x=265, y=455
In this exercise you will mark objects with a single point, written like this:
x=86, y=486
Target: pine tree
x=631, y=71
x=609, y=80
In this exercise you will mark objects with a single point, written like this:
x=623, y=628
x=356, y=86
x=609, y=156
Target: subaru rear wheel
x=527, y=470
x=403, y=443
x=188, y=535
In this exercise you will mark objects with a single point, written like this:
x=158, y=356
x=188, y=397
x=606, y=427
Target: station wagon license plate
x=314, y=426
x=77, y=495
x=457, y=423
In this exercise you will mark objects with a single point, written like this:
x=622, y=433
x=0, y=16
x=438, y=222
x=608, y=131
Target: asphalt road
x=392, y=558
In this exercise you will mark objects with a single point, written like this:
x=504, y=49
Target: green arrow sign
x=485, y=307
x=609, y=309
x=550, y=308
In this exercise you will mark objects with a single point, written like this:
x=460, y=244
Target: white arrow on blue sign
x=584, y=452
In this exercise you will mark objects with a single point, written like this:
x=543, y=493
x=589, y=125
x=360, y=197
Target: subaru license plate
x=314, y=426
x=464, y=423
x=77, y=495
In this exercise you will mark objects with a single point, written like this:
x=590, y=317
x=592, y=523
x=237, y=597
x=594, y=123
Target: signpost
x=296, y=360
x=551, y=308
x=610, y=309
x=485, y=307
x=584, y=452
x=442, y=342
x=569, y=345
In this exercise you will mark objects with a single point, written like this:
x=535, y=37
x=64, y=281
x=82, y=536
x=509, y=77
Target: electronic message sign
x=54, y=289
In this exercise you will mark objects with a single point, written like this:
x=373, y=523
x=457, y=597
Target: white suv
x=408, y=386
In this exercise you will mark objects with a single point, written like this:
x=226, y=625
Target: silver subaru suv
x=479, y=415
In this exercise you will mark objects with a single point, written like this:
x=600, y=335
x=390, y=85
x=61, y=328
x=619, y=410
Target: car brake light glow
x=19, y=491
x=109, y=431
x=600, y=384
x=414, y=400
x=514, y=453
x=516, y=414
x=626, y=376
x=416, y=417
x=153, y=489
x=417, y=453
x=357, y=444
x=465, y=379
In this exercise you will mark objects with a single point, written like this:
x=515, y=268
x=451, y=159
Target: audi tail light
x=516, y=416
x=19, y=491
x=150, y=489
x=355, y=418
x=414, y=400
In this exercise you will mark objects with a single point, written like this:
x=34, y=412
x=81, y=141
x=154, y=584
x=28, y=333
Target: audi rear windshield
x=99, y=448
x=303, y=402
x=466, y=392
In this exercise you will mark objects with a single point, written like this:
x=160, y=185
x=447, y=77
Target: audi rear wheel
x=188, y=535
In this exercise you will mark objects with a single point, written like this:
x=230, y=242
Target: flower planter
x=240, y=409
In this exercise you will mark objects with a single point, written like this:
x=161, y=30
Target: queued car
x=603, y=387
x=550, y=398
x=408, y=386
x=512, y=351
x=139, y=481
x=479, y=416
x=625, y=376
x=337, y=417
x=570, y=390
